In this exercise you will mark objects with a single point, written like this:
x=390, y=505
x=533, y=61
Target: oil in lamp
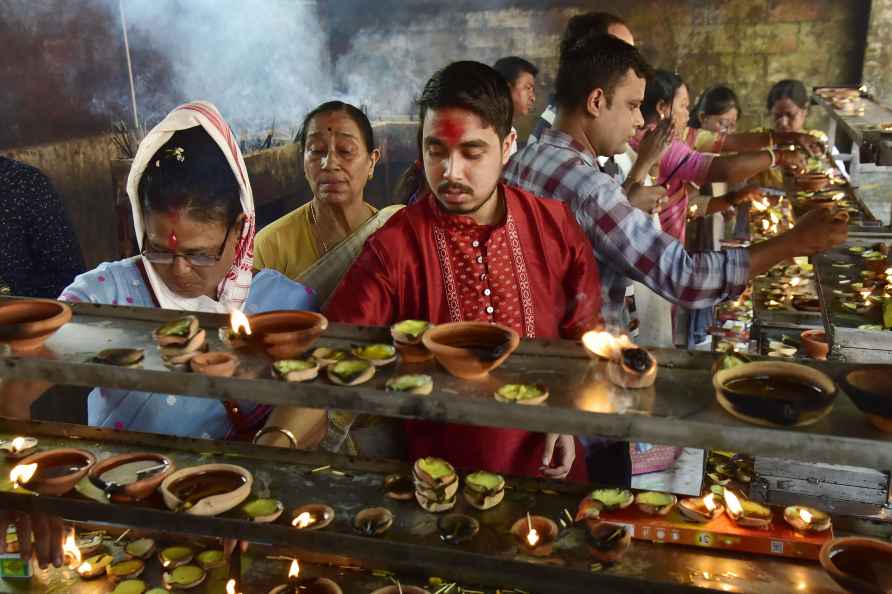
x=312, y=516
x=299, y=585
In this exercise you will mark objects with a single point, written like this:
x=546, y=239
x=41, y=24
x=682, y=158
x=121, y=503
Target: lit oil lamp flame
x=605, y=344
x=303, y=520
x=22, y=473
x=709, y=502
x=294, y=570
x=18, y=444
x=70, y=550
x=84, y=568
x=733, y=503
x=230, y=587
x=889, y=272
x=238, y=321
x=795, y=281
x=806, y=516
x=532, y=537
x=761, y=205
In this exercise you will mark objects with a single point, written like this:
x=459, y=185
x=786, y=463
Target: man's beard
x=445, y=186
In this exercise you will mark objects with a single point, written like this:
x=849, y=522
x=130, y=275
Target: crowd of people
x=575, y=229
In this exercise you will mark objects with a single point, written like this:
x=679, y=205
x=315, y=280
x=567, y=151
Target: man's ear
x=506, y=146
x=596, y=102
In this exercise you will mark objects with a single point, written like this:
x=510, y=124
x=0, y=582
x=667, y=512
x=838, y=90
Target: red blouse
x=534, y=272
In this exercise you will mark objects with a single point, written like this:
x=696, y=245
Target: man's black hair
x=512, y=67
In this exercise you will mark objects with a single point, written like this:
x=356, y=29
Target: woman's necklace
x=318, y=232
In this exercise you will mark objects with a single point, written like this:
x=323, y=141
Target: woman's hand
x=655, y=142
x=48, y=533
x=647, y=198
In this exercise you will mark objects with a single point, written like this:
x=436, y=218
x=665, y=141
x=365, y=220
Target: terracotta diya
x=373, y=521
x=535, y=535
x=807, y=519
x=19, y=447
x=815, y=344
x=25, y=325
x=207, y=490
x=868, y=387
x=655, y=504
x=210, y=559
x=58, y=471
x=407, y=338
x=130, y=587
x=305, y=585
x=141, y=548
x=127, y=478
x=263, y=511
x=94, y=566
x=287, y=334
x=184, y=577
x=175, y=556
x=215, y=364
x=126, y=570
x=457, y=528
x=608, y=542
x=860, y=565
x=775, y=394
x=628, y=365
x=312, y=516
x=470, y=350
x=701, y=509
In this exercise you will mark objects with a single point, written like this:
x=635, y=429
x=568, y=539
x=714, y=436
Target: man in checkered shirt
x=599, y=90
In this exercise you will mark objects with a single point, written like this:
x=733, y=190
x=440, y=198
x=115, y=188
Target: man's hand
x=744, y=195
x=565, y=446
x=655, y=142
x=647, y=198
x=819, y=230
x=48, y=533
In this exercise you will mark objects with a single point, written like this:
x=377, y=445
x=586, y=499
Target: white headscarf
x=233, y=289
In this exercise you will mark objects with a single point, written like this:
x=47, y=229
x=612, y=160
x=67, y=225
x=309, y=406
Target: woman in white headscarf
x=194, y=218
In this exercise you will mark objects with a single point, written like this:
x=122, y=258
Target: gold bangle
x=273, y=429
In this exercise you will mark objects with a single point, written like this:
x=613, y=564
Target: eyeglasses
x=194, y=260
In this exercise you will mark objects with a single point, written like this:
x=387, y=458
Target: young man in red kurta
x=477, y=249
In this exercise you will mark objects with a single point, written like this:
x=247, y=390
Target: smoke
x=259, y=61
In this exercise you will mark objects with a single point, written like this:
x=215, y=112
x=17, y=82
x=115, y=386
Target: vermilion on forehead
x=452, y=130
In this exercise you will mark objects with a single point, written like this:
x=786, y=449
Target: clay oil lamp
x=608, y=542
x=530, y=394
x=373, y=521
x=130, y=587
x=470, y=350
x=263, y=511
x=128, y=478
x=484, y=490
x=296, y=370
x=746, y=513
x=25, y=325
x=214, y=364
x=179, y=341
x=210, y=559
x=130, y=358
x=399, y=487
x=287, y=334
x=868, y=387
x=407, y=338
x=860, y=565
x=807, y=519
x=239, y=332
x=655, y=504
x=535, y=535
x=701, y=509
x=812, y=182
x=207, y=490
x=350, y=372
x=457, y=528
x=815, y=344
x=141, y=548
x=378, y=355
x=628, y=366
x=184, y=577
x=19, y=447
x=94, y=567
x=603, y=500
x=775, y=394
x=175, y=556
x=419, y=384
x=436, y=484
x=326, y=356
x=57, y=471
x=86, y=545
x=313, y=516
x=126, y=570
x=301, y=585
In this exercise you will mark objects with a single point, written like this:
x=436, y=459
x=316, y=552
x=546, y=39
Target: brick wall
x=747, y=43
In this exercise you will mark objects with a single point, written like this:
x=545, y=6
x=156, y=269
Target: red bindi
x=451, y=131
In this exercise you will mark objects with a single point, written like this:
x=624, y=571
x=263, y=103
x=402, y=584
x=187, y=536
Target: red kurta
x=534, y=272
